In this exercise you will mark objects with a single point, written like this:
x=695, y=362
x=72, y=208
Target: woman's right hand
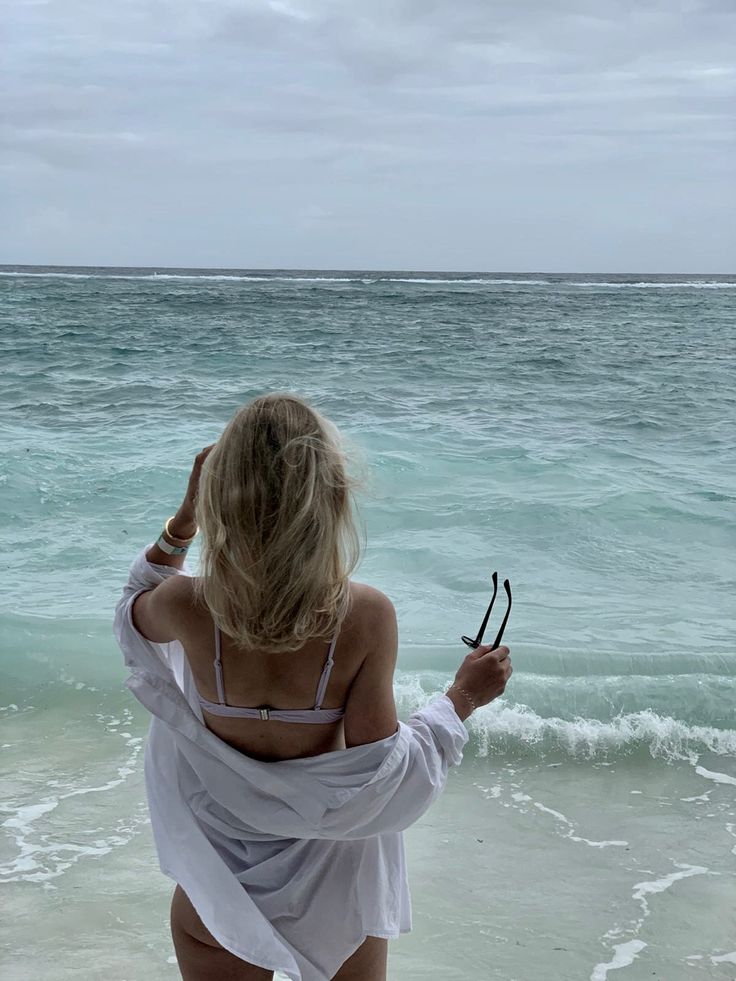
x=484, y=673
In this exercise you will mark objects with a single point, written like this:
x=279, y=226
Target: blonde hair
x=279, y=537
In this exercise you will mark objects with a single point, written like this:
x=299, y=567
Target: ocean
x=575, y=433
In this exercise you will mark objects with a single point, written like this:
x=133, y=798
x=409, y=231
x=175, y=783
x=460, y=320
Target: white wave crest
x=502, y=725
x=479, y=282
x=664, y=736
x=691, y=284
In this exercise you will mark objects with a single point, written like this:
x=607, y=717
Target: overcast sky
x=499, y=135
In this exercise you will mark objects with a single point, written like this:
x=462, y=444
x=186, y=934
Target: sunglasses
x=479, y=639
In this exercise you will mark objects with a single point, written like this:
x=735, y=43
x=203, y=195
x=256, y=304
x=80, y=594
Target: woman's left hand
x=187, y=508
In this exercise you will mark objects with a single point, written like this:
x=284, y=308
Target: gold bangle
x=174, y=539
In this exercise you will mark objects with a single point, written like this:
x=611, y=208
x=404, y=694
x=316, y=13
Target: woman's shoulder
x=372, y=598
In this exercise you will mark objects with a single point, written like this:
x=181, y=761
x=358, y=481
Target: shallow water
x=575, y=434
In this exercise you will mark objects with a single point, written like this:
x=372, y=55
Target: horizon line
x=364, y=269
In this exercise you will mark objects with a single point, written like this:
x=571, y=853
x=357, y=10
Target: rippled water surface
x=577, y=434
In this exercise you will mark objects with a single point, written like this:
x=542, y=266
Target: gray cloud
x=331, y=133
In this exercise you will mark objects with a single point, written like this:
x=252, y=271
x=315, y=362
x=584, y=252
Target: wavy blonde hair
x=279, y=537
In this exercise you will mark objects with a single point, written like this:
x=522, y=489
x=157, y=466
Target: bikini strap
x=321, y=688
x=325, y=677
x=218, y=668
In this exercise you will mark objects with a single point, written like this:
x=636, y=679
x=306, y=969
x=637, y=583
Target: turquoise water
x=576, y=433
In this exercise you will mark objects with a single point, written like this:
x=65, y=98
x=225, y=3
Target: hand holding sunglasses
x=484, y=673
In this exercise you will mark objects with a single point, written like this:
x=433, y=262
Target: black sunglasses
x=477, y=642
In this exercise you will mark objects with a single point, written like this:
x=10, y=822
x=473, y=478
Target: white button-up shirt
x=289, y=864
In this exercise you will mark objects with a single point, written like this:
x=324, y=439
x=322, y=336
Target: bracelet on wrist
x=176, y=539
x=467, y=696
x=171, y=544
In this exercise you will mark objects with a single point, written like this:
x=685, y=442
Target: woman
x=281, y=823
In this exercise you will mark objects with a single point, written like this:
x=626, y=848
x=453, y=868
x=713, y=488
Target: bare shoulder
x=181, y=587
x=179, y=594
x=375, y=605
x=369, y=594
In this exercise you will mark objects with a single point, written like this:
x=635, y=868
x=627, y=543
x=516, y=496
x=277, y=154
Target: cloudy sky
x=500, y=135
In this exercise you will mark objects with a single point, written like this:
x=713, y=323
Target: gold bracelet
x=462, y=691
x=174, y=539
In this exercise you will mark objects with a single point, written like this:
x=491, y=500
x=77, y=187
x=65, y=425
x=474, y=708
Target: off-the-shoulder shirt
x=289, y=864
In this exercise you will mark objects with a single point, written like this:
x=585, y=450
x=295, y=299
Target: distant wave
x=373, y=280
x=151, y=276
x=481, y=282
x=690, y=284
x=226, y=277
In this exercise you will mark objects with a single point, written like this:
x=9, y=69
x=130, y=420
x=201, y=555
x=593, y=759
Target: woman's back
x=290, y=680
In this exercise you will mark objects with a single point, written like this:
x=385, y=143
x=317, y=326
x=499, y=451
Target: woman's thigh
x=199, y=955
x=368, y=963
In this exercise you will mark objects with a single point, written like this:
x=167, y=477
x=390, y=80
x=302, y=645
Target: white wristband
x=171, y=549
